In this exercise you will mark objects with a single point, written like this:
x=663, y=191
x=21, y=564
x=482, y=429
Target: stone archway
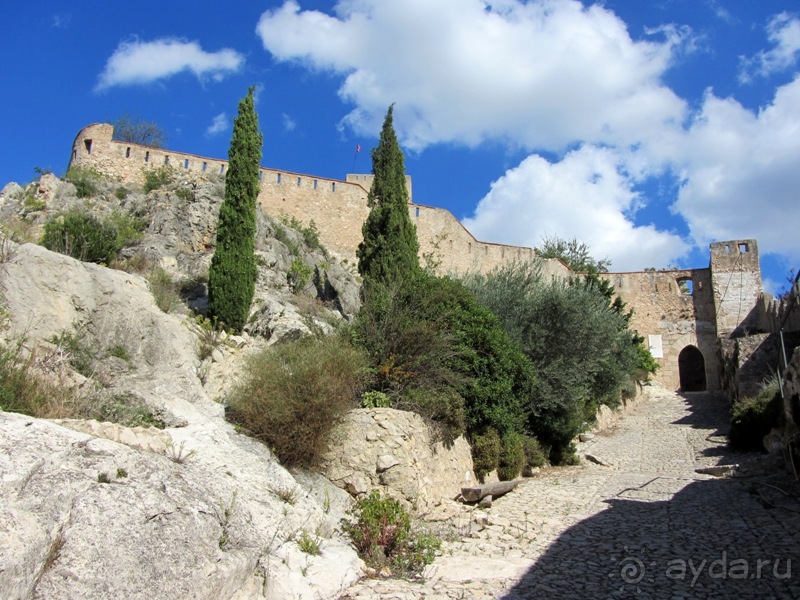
x=692, y=370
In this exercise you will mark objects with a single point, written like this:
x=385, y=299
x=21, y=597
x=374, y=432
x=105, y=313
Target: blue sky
x=645, y=129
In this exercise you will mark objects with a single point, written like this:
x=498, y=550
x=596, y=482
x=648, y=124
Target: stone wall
x=681, y=314
x=338, y=208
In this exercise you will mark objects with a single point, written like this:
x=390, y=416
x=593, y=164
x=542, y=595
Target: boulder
x=95, y=510
x=395, y=451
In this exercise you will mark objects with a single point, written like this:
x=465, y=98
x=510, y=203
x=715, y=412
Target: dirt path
x=645, y=524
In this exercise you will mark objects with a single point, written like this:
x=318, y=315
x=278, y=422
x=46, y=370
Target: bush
x=485, y=453
x=295, y=393
x=158, y=177
x=753, y=418
x=82, y=236
x=381, y=532
x=86, y=181
x=298, y=275
x=375, y=400
x=576, y=339
x=130, y=228
x=76, y=348
x=512, y=456
x=535, y=454
x=164, y=288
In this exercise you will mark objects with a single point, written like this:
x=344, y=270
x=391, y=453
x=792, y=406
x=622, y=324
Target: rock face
x=392, y=450
x=197, y=510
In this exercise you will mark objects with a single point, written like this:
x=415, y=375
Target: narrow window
x=315, y=184
x=619, y=282
x=418, y=212
x=166, y=160
x=88, y=144
x=502, y=252
x=147, y=156
x=333, y=186
x=260, y=174
x=128, y=152
x=727, y=248
x=221, y=169
x=469, y=247
x=743, y=248
x=186, y=164
x=279, y=177
x=205, y=166
x=686, y=286
x=298, y=182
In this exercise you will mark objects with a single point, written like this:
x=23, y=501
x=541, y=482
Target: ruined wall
x=681, y=314
x=736, y=279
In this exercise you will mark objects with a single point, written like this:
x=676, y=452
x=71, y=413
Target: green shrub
x=121, y=193
x=298, y=275
x=158, y=177
x=380, y=530
x=82, y=236
x=577, y=340
x=753, y=418
x=535, y=454
x=76, y=348
x=308, y=543
x=24, y=390
x=294, y=393
x=184, y=193
x=485, y=453
x=375, y=400
x=164, y=288
x=130, y=228
x=512, y=456
x=85, y=180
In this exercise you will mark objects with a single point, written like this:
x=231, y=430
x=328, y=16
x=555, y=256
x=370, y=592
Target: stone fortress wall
x=681, y=314
x=338, y=208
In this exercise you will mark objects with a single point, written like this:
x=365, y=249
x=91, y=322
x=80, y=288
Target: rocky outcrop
x=105, y=512
x=393, y=451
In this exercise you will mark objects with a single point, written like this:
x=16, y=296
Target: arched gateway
x=692, y=370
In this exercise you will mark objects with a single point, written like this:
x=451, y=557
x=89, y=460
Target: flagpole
x=355, y=156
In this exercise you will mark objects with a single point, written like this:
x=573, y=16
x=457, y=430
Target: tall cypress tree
x=390, y=249
x=231, y=280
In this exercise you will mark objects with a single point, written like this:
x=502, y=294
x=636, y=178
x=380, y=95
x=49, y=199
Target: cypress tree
x=389, y=251
x=231, y=280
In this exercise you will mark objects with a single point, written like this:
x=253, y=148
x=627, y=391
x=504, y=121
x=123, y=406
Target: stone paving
x=645, y=524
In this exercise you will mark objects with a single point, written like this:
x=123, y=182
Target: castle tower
x=736, y=282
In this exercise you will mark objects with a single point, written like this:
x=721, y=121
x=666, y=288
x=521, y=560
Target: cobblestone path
x=645, y=524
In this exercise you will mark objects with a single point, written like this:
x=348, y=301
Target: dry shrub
x=294, y=393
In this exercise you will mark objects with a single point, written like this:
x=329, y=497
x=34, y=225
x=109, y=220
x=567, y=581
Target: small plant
x=210, y=335
x=158, y=177
x=283, y=237
x=119, y=351
x=375, y=400
x=224, y=512
x=121, y=193
x=298, y=275
x=122, y=473
x=103, y=478
x=287, y=494
x=75, y=346
x=164, y=288
x=753, y=418
x=308, y=543
x=184, y=193
x=177, y=454
x=85, y=180
x=33, y=204
x=380, y=530
x=130, y=228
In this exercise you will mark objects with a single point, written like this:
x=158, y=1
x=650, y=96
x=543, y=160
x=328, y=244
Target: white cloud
x=783, y=31
x=219, y=124
x=538, y=74
x=741, y=175
x=136, y=63
x=288, y=123
x=588, y=196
